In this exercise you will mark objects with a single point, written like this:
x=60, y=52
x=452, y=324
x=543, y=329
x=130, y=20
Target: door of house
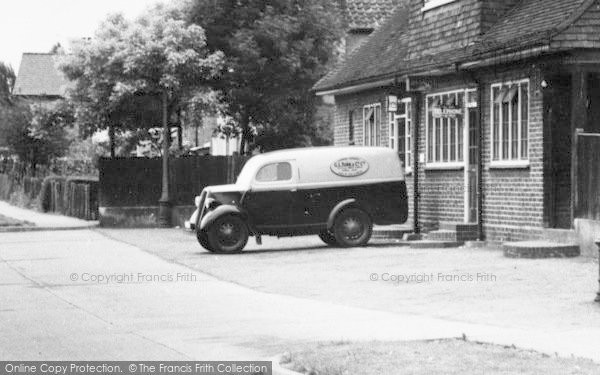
x=472, y=166
x=587, y=169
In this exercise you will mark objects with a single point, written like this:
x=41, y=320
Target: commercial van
x=337, y=193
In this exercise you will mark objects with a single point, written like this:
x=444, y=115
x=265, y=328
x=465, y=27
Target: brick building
x=481, y=99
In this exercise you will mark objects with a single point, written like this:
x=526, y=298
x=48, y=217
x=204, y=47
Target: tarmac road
x=78, y=295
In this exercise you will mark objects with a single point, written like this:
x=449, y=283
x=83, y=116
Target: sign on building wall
x=392, y=103
x=446, y=112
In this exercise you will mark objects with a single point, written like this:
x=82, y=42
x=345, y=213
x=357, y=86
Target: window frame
x=394, y=129
x=286, y=181
x=377, y=125
x=459, y=142
x=508, y=161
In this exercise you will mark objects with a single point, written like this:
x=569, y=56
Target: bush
x=43, y=137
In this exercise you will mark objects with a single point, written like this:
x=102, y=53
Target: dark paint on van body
x=307, y=211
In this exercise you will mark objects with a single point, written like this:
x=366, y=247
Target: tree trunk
x=111, y=137
x=179, y=130
x=245, y=125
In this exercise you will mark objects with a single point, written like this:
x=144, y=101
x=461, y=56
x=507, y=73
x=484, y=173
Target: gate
x=587, y=178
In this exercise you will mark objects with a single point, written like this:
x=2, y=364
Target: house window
x=372, y=125
x=400, y=132
x=510, y=123
x=430, y=4
x=444, y=129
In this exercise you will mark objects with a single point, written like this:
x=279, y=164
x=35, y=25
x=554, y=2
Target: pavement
x=39, y=221
x=89, y=294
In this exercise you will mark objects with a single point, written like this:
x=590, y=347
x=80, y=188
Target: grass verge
x=428, y=357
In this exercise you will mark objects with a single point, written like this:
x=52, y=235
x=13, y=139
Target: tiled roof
x=367, y=14
x=38, y=76
x=530, y=22
x=383, y=55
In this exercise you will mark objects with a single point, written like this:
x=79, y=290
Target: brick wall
x=355, y=103
x=513, y=206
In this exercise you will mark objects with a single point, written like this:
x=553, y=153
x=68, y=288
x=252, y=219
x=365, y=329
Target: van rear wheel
x=228, y=235
x=352, y=227
x=327, y=237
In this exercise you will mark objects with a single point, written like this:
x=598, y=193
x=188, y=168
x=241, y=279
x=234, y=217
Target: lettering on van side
x=350, y=167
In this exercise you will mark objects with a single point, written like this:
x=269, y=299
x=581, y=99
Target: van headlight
x=197, y=201
x=210, y=203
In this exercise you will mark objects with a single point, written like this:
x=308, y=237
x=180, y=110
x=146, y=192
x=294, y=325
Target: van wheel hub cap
x=228, y=233
x=352, y=227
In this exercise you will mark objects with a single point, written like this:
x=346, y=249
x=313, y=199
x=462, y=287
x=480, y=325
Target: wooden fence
x=74, y=196
x=42, y=188
x=587, y=191
x=137, y=182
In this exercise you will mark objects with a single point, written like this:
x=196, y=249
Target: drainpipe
x=416, y=122
x=480, y=91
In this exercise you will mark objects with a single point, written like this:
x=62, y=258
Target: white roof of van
x=316, y=164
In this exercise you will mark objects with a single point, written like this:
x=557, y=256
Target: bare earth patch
x=427, y=357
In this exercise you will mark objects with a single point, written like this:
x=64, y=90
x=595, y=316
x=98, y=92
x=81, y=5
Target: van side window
x=275, y=172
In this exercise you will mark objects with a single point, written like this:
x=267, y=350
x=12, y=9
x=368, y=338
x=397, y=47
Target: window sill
x=444, y=166
x=510, y=164
x=435, y=4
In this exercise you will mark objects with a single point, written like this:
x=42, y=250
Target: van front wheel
x=328, y=238
x=202, y=237
x=352, y=227
x=228, y=235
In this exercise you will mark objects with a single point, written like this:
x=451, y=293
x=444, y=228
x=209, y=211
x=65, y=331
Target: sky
x=37, y=25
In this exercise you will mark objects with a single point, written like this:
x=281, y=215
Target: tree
x=39, y=135
x=158, y=57
x=122, y=75
x=275, y=51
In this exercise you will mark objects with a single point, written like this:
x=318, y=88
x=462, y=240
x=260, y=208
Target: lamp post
x=164, y=203
x=598, y=294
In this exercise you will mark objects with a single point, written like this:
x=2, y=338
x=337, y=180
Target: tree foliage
x=275, y=51
x=39, y=134
x=7, y=82
x=121, y=74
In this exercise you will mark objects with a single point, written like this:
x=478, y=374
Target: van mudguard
x=222, y=210
x=336, y=210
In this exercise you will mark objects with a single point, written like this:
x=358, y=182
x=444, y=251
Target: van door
x=311, y=207
x=269, y=200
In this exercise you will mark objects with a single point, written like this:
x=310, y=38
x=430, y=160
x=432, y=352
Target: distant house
x=39, y=80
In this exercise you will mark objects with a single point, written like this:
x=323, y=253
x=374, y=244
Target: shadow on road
x=311, y=248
